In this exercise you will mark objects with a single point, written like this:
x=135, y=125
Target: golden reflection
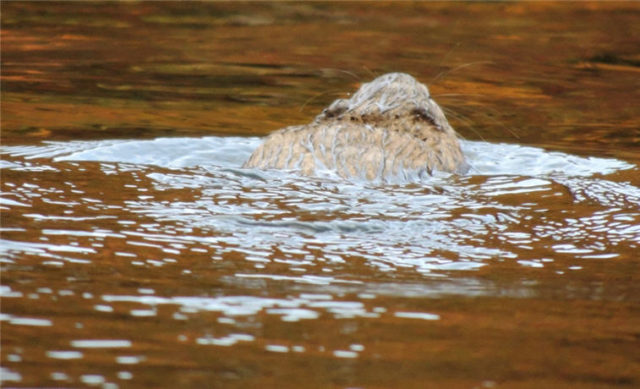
x=135, y=252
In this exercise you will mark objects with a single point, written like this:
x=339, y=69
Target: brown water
x=136, y=252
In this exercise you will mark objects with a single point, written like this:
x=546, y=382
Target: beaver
x=389, y=129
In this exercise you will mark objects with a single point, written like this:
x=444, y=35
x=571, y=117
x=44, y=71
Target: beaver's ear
x=336, y=108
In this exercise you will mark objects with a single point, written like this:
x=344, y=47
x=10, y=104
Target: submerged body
x=390, y=128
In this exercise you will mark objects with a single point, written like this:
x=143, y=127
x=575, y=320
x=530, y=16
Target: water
x=181, y=232
x=441, y=224
x=137, y=252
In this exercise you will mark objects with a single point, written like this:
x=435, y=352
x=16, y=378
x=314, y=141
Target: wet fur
x=389, y=129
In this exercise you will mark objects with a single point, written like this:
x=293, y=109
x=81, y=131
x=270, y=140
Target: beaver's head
x=390, y=128
x=389, y=100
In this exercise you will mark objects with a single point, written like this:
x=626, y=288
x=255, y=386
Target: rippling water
x=137, y=252
x=310, y=230
x=190, y=233
x=173, y=203
x=276, y=219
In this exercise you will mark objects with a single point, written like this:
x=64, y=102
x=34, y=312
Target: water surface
x=136, y=252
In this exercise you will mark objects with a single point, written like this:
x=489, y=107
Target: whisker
x=458, y=95
x=333, y=92
x=445, y=72
x=493, y=119
x=465, y=121
x=451, y=50
x=353, y=75
x=371, y=73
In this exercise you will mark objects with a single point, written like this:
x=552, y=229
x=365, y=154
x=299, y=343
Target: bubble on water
x=274, y=348
x=345, y=354
x=101, y=343
x=129, y=359
x=8, y=375
x=417, y=315
x=92, y=379
x=64, y=354
x=59, y=376
x=27, y=321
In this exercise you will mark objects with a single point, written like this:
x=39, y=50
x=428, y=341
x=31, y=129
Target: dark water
x=136, y=252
